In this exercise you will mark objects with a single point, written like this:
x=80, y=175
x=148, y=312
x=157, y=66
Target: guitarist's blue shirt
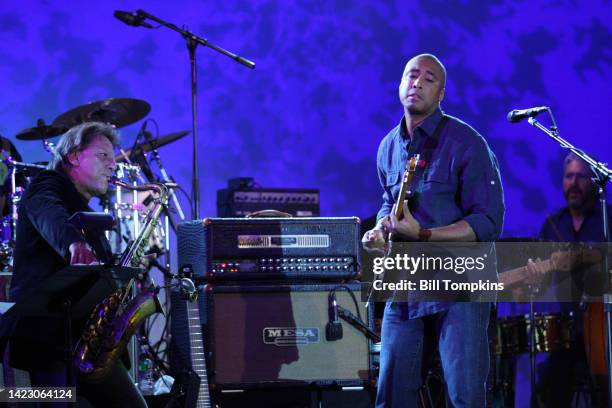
x=460, y=181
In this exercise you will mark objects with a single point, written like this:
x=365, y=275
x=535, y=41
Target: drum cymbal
x=41, y=132
x=155, y=143
x=119, y=112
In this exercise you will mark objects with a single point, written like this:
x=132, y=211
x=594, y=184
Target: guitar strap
x=430, y=144
x=427, y=149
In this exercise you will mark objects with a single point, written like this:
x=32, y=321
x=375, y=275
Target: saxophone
x=114, y=320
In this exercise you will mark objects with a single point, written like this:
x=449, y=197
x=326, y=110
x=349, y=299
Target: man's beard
x=414, y=110
x=581, y=201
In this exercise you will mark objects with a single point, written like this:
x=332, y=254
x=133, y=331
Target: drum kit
x=129, y=208
x=553, y=332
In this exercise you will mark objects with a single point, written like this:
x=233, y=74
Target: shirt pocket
x=438, y=181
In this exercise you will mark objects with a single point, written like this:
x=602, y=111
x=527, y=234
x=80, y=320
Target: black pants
x=117, y=390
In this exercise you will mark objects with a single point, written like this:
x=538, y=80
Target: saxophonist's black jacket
x=41, y=249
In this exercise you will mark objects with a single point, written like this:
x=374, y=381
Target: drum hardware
x=552, y=331
x=118, y=112
x=130, y=208
x=41, y=131
x=27, y=170
x=8, y=224
x=150, y=145
x=137, y=153
x=154, y=144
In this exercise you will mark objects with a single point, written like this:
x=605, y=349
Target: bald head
x=440, y=70
x=422, y=86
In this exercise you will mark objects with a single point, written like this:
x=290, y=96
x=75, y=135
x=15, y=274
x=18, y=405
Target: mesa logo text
x=290, y=336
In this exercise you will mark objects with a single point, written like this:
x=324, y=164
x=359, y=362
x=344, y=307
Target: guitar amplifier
x=270, y=336
x=298, y=202
x=232, y=249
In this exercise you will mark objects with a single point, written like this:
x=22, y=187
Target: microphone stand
x=601, y=177
x=192, y=42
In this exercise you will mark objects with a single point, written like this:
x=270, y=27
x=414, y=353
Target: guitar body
x=594, y=326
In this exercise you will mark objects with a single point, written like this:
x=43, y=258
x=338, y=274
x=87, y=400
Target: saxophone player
x=81, y=168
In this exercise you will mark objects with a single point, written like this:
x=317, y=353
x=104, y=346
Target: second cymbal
x=155, y=143
x=41, y=132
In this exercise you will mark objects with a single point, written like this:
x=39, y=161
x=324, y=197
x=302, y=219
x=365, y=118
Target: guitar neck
x=514, y=276
x=198, y=354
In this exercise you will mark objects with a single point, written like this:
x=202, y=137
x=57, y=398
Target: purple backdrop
x=325, y=88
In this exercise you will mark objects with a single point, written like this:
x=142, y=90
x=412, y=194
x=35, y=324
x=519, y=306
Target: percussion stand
x=156, y=157
x=532, y=349
x=602, y=175
x=133, y=175
x=15, y=197
x=48, y=146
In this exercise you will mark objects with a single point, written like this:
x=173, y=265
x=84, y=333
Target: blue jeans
x=464, y=353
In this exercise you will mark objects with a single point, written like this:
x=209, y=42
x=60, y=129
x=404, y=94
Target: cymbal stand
x=156, y=157
x=49, y=146
x=15, y=197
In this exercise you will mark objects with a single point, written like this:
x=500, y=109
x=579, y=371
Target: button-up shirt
x=460, y=181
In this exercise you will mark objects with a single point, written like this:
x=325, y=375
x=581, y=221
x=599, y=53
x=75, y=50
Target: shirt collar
x=428, y=126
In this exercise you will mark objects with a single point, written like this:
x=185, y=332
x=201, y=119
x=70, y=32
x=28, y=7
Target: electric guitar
x=559, y=260
x=398, y=209
x=198, y=353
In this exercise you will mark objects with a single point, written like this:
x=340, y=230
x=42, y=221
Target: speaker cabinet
x=260, y=336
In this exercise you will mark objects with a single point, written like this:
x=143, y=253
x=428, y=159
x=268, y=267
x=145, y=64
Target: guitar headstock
x=575, y=255
x=411, y=166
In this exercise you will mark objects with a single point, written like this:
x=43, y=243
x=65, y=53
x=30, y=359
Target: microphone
x=519, y=114
x=138, y=155
x=333, y=329
x=131, y=19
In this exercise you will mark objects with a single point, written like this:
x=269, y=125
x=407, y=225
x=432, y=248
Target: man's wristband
x=424, y=234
